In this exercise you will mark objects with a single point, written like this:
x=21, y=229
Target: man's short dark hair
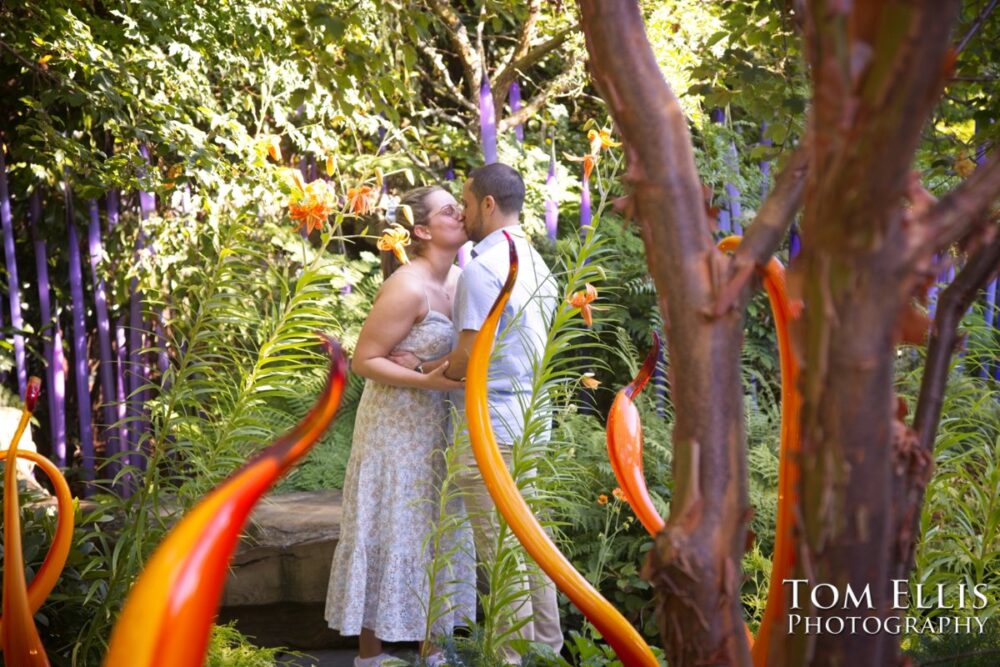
x=502, y=182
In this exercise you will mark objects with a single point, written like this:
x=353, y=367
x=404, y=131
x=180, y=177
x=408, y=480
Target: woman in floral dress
x=379, y=583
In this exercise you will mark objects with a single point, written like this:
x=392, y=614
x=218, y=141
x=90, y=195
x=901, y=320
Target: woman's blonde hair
x=416, y=199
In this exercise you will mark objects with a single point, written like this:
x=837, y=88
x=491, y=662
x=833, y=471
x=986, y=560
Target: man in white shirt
x=493, y=197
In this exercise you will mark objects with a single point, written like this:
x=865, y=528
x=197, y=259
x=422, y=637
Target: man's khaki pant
x=540, y=605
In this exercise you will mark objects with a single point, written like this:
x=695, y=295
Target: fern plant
x=241, y=335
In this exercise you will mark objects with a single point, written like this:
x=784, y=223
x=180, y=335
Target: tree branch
x=530, y=57
x=951, y=218
x=554, y=88
x=480, y=44
x=459, y=37
x=527, y=33
x=452, y=91
x=914, y=450
x=954, y=302
x=695, y=562
x=768, y=228
x=521, y=46
x=34, y=66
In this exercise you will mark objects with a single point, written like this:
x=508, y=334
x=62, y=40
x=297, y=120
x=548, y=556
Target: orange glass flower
x=582, y=300
x=314, y=205
x=395, y=239
x=359, y=200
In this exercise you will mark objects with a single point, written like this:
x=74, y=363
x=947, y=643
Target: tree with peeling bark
x=870, y=236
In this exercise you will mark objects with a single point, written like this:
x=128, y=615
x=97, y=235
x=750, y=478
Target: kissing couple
x=413, y=350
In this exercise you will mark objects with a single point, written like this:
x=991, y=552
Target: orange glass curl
x=622, y=637
x=790, y=449
x=624, y=434
x=169, y=613
x=21, y=643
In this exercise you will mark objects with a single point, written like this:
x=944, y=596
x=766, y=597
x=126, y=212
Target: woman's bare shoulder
x=402, y=284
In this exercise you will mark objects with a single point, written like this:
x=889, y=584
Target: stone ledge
x=276, y=590
x=287, y=552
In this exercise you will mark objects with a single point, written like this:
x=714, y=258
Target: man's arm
x=458, y=359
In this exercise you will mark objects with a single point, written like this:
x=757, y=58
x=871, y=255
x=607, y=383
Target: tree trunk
x=696, y=563
x=869, y=109
x=878, y=68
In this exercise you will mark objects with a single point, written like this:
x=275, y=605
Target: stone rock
x=287, y=552
x=276, y=588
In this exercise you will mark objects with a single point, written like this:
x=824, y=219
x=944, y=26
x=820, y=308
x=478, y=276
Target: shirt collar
x=496, y=237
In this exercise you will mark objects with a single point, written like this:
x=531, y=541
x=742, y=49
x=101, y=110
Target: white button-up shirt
x=523, y=327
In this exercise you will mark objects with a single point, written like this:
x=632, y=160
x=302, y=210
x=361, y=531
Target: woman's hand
x=435, y=380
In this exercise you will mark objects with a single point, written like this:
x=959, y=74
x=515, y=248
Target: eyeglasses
x=451, y=210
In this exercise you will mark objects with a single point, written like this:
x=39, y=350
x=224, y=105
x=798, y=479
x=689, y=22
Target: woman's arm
x=455, y=360
x=393, y=314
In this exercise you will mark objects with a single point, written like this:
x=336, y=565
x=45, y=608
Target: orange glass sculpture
x=169, y=613
x=622, y=637
x=624, y=433
x=19, y=636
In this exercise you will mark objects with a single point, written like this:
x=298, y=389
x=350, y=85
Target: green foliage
x=230, y=648
x=960, y=520
x=752, y=66
x=198, y=81
x=956, y=649
x=601, y=536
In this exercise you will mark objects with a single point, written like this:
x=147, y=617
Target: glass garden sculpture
x=168, y=615
x=618, y=632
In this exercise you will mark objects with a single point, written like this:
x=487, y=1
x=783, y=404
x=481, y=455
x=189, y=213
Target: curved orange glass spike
x=622, y=637
x=624, y=435
x=790, y=448
x=169, y=612
x=47, y=575
x=21, y=644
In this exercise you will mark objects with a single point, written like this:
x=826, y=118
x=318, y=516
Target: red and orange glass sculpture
x=168, y=615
